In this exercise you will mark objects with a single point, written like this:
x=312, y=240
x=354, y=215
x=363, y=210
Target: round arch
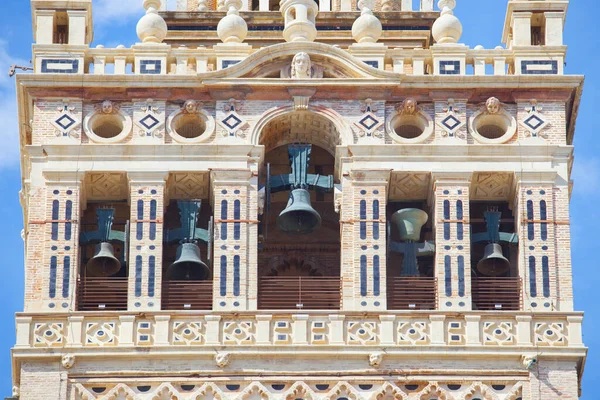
x=332, y=128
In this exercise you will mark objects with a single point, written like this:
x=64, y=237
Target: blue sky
x=482, y=20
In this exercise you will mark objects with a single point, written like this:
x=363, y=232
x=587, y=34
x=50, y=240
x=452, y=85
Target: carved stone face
x=301, y=66
x=107, y=107
x=409, y=106
x=492, y=105
x=375, y=359
x=191, y=107
x=68, y=361
x=222, y=359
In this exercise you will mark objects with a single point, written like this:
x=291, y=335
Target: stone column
x=147, y=197
x=544, y=268
x=521, y=25
x=53, y=243
x=554, y=28
x=235, y=260
x=363, y=240
x=44, y=21
x=452, y=240
x=77, y=26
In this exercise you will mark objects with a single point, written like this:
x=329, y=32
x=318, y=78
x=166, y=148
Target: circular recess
x=107, y=128
x=493, y=128
x=414, y=128
x=190, y=127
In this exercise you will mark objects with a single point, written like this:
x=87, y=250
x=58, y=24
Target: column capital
x=450, y=178
x=64, y=177
x=229, y=176
x=538, y=178
x=147, y=177
x=370, y=176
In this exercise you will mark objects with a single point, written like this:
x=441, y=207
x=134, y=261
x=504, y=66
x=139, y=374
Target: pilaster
x=147, y=196
x=54, y=213
x=452, y=240
x=363, y=222
x=538, y=225
x=235, y=202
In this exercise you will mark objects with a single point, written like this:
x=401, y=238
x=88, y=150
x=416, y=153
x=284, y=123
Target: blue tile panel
x=530, y=226
x=152, y=218
x=459, y=216
x=446, y=217
x=224, y=218
x=376, y=276
x=53, y=266
x=139, y=230
x=461, y=276
x=228, y=63
x=60, y=66
x=151, y=275
x=449, y=67
x=363, y=217
x=532, y=277
x=363, y=275
x=150, y=67
x=539, y=67
x=54, y=229
x=223, y=283
x=236, y=275
x=66, y=276
x=138, y=276
x=546, y=276
x=543, y=217
x=68, y=216
x=236, y=216
x=375, y=219
x=448, y=275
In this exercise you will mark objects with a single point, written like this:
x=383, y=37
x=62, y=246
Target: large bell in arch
x=299, y=218
x=493, y=262
x=103, y=263
x=188, y=266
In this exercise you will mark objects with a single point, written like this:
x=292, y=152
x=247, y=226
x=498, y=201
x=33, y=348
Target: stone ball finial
x=152, y=28
x=232, y=28
x=447, y=28
x=367, y=28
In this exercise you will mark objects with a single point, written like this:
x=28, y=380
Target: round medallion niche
x=409, y=124
x=191, y=124
x=492, y=124
x=107, y=124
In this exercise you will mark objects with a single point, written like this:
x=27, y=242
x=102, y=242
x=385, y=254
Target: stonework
x=163, y=206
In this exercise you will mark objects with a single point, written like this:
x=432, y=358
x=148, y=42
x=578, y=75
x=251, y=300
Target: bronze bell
x=493, y=262
x=104, y=263
x=299, y=218
x=188, y=266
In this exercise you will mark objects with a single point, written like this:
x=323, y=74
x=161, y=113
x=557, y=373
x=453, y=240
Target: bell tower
x=316, y=200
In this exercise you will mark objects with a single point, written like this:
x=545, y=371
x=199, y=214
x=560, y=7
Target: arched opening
x=299, y=271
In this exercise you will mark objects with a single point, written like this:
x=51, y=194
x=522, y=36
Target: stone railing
x=165, y=60
x=87, y=330
x=324, y=5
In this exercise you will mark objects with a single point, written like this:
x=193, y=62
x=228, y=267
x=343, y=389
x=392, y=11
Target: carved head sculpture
x=68, y=360
x=409, y=106
x=190, y=107
x=222, y=359
x=492, y=105
x=107, y=107
x=16, y=392
x=375, y=359
x=301, y=66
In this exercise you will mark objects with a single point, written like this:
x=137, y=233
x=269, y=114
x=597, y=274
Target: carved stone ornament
x=151, y=121
x=529, y=361
x=375, y=359
x=108, y=107
x=369, y=123
x=222, y=359
x=67, y=121
x=493, y=105
x=408, y=107
x=190, y=107
x=451, y=122
x=301, y=66
x=108, y=123
x=233, y=124
x=190, y=124
x=16, y=392
x=68, y=360
x=492, y=124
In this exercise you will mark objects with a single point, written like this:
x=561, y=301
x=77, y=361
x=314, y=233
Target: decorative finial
x=152, y=28
x=232, y=28
x=447, y=28
x=367, y=28
x=299, y=20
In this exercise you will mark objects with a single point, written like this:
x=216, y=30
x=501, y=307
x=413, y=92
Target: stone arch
x=270, y=128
